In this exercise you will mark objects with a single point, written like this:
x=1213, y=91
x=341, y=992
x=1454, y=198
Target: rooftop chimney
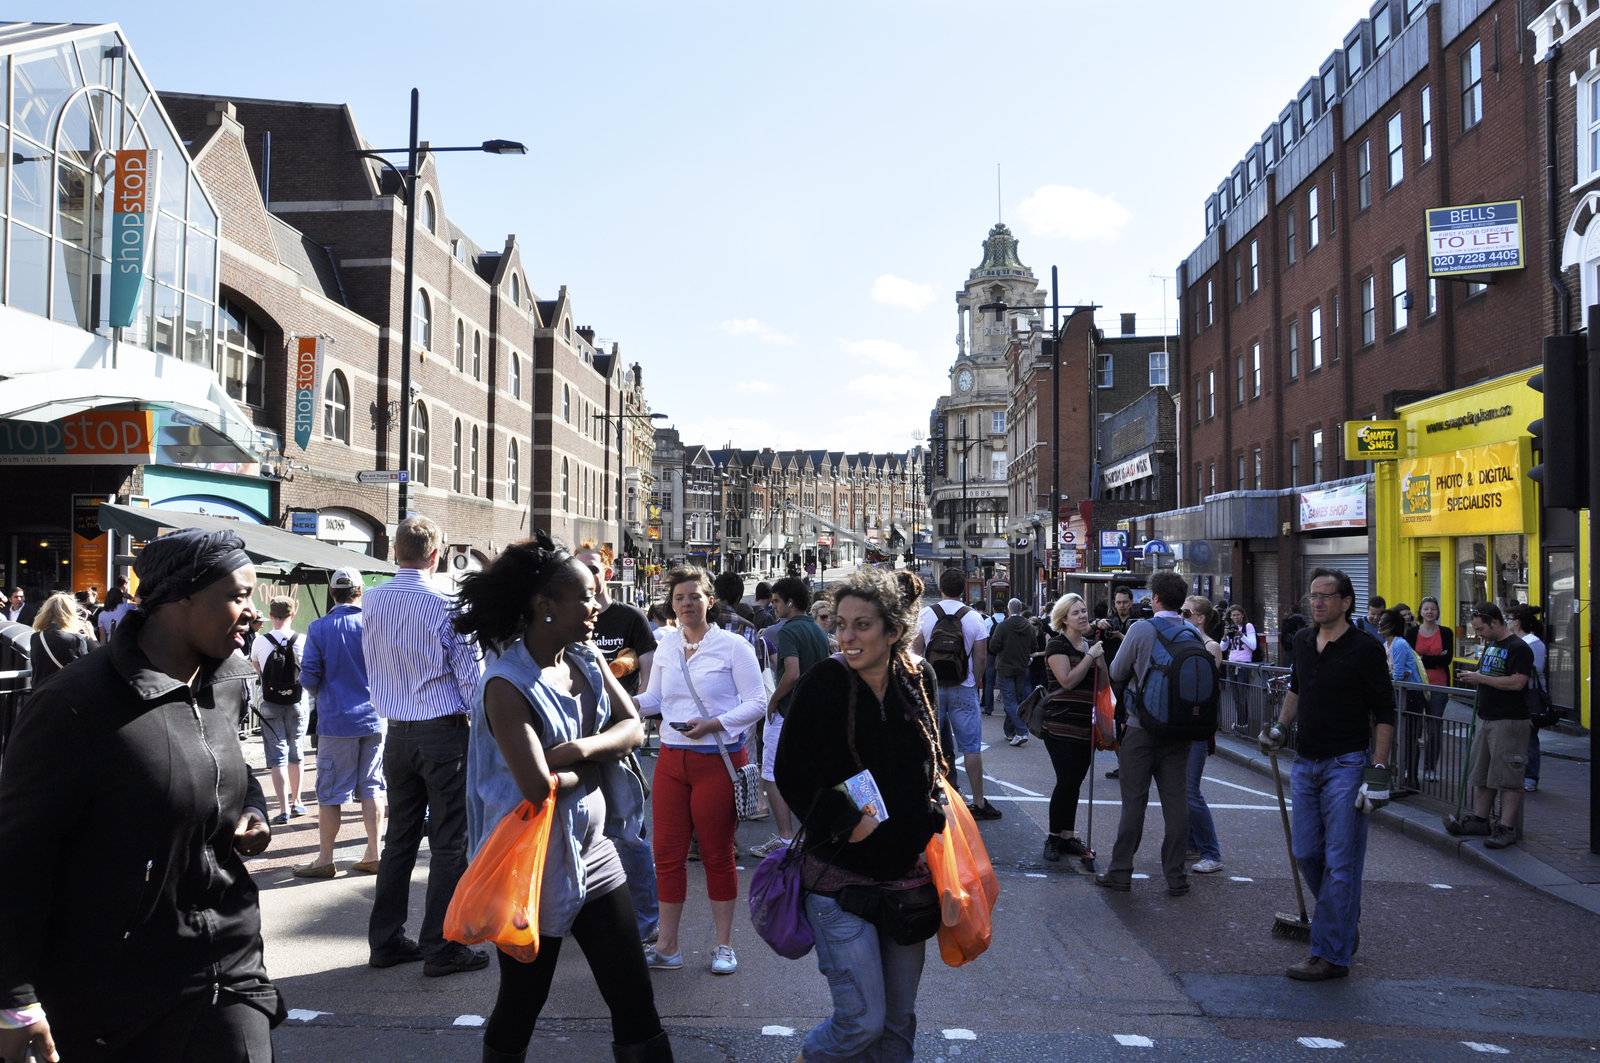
x=1128, y=328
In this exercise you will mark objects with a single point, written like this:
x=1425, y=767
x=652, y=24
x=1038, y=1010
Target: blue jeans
x=873, y=982
x=1202, y=831
x=1013, y=688
x=1531, y=772
x=988, y=686
x=1330, y=844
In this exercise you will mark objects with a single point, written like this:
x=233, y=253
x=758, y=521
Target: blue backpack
x=1180, y=692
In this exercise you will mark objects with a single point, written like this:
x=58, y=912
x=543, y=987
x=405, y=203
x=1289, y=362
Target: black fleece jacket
x=123, y=894
x=814, y=757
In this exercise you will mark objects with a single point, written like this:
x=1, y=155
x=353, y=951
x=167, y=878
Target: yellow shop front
x=1456, y=517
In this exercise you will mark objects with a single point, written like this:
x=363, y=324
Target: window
x=419, y=443
x=1211, y=215
x=1364, y=175
x=1199, y=409
x=1269, y=150
x=1316, y=337
x=1256, y=458
x=1286, y=127
x=336, y=408
x=566, y=486
x=1211, y=392
x=1397, y=154
x=1472, y=86
x=1238, y=280
x=1211, y=304
x=455, y=457
x=1369, y=310
x=516, y=290
x=1313, y=218
x=513, y=473
x=422, y=322
x=566, y=403
x=1353, y=60
x=997, y=421
x=1294, y=349
x=1158, y=369
x=472, y=462
x=1255, y=267
x=1255, y=370
x=429, y=215
x=1399, y=299
x=1476, y=288
x=516, y=375
x=1105, y=373
x=1238, y=380
x=1238, y=472
x=477, y=355
x=1433, y=296
x=1316, y=456
x=1308, y=110
x=1381, y=31
x=1588, y=121
x=997, y=466
x=1211, y=477
x=1330, y=86
x=243, y=357
x=1252, y=170
x=1289, y=227
x=1238, y=188
x=1426, y=107
x=1199, y=481
x=461, y=345
x=1294, y=463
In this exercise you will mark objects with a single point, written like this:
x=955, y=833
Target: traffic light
x=1561, y=436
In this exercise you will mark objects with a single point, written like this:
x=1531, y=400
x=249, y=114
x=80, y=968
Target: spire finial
x=999, y=212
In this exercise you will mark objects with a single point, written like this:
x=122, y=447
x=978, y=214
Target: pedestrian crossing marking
x=1139, y=875
x=1320, y=1042
x=1441, y=886
x=1034, y=874
x=959, y=1034
x=468, y=1020
x=777, y=1031
x=1240, y=878
x=1133, y=1040
x=1481, y=1046
x=304, y=1014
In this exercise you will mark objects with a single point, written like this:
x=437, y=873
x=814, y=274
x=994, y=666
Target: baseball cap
x=344, y=579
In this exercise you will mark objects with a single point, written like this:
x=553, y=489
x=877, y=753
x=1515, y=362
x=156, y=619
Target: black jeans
x=196, y=1031
x=425, y=770
x=609, y=939
x=1070, y=758
x=1141, y=759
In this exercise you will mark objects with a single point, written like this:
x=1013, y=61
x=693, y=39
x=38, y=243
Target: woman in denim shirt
x=549, y=716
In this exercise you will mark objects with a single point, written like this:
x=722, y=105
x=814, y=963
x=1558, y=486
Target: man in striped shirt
x=424, y=678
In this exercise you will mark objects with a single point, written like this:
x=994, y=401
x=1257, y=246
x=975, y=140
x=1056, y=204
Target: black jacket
x=814, y=757
x=123, y=894
x=50, y=651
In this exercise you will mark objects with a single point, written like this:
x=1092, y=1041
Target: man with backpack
x=277, y=656
x=955, y=640
x=1172, y=691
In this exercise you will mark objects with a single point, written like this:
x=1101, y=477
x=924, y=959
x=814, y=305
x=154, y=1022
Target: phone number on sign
x=1507, y=257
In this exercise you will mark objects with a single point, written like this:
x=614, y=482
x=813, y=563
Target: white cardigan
x=726, y=676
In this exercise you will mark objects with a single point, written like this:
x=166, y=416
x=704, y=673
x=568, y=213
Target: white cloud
x=1072, y=214
x=900, y=293
x=754, y=387
x=887, y=353
x=760, y=330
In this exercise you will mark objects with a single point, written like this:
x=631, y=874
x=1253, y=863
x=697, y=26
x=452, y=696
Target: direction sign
x=383, y=476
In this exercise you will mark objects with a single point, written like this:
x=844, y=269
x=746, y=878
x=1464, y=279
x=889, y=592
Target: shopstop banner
x=131, y=190
x=1476, y=491
x=306, y=363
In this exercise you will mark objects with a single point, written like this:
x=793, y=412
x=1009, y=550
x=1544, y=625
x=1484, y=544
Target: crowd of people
x=531, y=684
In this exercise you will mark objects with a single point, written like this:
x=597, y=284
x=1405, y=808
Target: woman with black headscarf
x=129, y=927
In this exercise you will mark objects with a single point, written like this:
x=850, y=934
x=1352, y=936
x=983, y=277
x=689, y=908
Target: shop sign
x=1476, y=491
x=1374, y=440
x=132, y=184
x=91, y=545
x=1476, y=238
x=94, y=437
x=1337, y=507
x=824, y=540
x=307, y=367
x=1112, y=557
x=303, y=522
x=1113, y=540
x=1135, y=468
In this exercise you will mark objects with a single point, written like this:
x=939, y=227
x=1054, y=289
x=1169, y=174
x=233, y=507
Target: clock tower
x=968, y=490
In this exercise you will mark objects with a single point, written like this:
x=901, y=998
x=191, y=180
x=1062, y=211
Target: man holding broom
x=1340, y=694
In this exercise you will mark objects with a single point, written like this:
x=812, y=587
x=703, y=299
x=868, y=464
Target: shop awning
x=278, y=553
x=202, y=417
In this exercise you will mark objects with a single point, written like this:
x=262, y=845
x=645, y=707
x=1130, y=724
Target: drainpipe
x=1563, y=311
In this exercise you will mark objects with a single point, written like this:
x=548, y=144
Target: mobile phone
x=680, y=725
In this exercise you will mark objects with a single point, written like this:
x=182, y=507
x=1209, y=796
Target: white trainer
x=1207, y=866
x=723, y=961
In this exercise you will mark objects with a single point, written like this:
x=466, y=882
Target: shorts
x=349, y=767
x=282, y=728
x=770, y=732
x=960, y=706
x=1499, y=754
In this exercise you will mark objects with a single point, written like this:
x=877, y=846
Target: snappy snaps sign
x=1477, y=491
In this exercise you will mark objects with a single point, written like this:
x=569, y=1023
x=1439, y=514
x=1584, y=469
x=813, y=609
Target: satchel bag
x=746, y=780
x=778, y=902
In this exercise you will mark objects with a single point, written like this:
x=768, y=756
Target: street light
x=415, y=152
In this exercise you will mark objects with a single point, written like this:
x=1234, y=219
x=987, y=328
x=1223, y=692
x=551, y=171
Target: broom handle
x=1288, y=837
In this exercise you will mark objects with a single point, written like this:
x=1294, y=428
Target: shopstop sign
x=307, y=366
x=130, y=231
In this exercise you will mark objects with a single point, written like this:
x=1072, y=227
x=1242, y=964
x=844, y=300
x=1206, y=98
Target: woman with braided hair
x=870, y=899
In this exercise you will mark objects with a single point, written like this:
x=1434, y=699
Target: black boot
x=494, y=1055
x=656, y=1050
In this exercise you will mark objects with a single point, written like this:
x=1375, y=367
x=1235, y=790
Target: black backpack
x=280, y=676
x=947, y=647
x=1178, y=696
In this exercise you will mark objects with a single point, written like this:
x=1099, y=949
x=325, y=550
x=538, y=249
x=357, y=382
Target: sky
x=771, y=208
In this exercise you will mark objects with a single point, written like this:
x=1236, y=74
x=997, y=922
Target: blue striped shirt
x=417, y=666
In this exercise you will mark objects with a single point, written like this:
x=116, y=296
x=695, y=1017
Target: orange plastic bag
x=1105, y=718
x=497, y=898
x=965, y=879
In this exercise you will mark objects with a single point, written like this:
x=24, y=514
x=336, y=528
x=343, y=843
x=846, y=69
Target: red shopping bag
x=965, y=879
x=497, y=898
x=1105, y=717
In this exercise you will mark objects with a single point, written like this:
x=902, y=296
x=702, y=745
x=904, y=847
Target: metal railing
x=14, y=687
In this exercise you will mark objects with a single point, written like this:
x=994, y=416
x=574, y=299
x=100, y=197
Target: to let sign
x=306, y=363
x=131, y=186
x=1477, y=238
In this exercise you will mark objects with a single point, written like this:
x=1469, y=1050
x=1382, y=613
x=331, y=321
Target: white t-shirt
x=974, y=629
x=262, y=648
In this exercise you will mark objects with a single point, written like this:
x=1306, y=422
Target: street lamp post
x=415, y=152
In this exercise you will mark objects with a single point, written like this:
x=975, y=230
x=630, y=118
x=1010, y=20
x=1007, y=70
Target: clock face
x=964, y=380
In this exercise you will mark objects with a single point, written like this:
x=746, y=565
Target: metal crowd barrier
x=14, y=688
x=1252, y=694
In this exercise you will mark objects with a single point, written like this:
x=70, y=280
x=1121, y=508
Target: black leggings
x=609, y=938
x=1070, y=758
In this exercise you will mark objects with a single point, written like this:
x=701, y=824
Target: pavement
x=1459, y=961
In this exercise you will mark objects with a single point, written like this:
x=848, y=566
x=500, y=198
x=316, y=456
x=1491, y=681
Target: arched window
x=419, y=443
x=516, y=290
x=472, y=461
x=516, y=375
x=477, y=355
x=336, y=408
x=455, y=457
x=422, y=322
x=566, y=487
x=461, y=344
x=566, y=403
x=513, y=474
x=429, y=216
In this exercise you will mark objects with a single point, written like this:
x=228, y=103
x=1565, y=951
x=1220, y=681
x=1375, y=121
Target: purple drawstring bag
x=777, y=903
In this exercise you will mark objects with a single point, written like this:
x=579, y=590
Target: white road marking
x=1246, y=789
x=1487, y=1049
x=1441, y=886
x=1320, y=1042
x=1037, y=799
x=777, y=1031
x=1239, y=878
x=468, y=1020
x=303, y=1014
x=1139, y=875
x=1133, y=1040
x=1014, y=786
x=959, y=1034
x=1034, y=874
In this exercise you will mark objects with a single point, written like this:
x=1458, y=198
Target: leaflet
x=862, y=789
